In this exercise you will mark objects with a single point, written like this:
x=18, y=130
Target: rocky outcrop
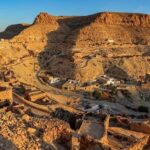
x=45, y=18
x=142, y=20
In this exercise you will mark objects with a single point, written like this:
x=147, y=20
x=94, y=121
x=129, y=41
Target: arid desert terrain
x=76, y=83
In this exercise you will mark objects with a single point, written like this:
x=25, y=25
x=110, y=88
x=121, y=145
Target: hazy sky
x=24, y=11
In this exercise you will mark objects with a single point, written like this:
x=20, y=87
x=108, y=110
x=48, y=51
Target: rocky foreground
x=76, y=83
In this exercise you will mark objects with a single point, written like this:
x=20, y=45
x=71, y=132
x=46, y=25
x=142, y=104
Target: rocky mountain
x=83, y=48
x=76, y=82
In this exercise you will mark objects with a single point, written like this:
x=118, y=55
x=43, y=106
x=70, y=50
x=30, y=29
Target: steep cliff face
x=85, y=47
x=142, y=20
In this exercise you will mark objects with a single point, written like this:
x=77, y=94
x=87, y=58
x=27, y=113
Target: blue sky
x=24, y=11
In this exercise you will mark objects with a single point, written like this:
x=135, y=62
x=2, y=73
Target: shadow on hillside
x=56, y=59
x=13, y=30
x=6, y=144
x=118, y=73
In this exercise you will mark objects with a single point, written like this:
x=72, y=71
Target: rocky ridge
x=115, y=38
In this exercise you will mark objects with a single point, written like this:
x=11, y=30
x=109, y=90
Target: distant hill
x=13, y=30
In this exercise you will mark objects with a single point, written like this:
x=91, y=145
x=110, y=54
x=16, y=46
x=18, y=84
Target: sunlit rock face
x=85, y=47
